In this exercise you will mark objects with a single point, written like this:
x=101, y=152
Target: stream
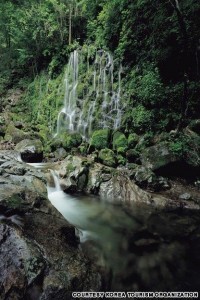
x=144, y=248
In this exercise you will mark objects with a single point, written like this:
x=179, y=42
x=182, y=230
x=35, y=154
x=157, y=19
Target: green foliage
x=100, y=139
x=139, y=119
x=70, y=141
x=120, y=143
x=121, y=160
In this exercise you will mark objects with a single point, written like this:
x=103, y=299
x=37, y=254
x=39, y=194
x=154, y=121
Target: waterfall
x=92, y=94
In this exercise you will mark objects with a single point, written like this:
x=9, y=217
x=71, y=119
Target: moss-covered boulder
x=71, y=140
x=107, y=157
x=66, y=141
x=14, y=134
x=100, y=139
x=30, y=150
x=120, y=142
x=158, y=156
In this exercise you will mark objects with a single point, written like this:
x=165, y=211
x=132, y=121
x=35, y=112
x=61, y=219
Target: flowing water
x=146, y=248
x=94, y=102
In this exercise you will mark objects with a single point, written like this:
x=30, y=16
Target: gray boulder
x=158, y=156
x=30, y=150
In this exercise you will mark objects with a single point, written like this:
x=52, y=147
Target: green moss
x=66, y=140
x=107, y=157
x=100, y=139
x=122, y=150
x=70, y=141
x=121, y=160
x=120, y=142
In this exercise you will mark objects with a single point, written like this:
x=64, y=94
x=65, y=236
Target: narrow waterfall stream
x=94, y=103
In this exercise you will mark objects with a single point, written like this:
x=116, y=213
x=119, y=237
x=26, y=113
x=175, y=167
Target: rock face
x=30, y=150
x=40, y=257
x=79, y=174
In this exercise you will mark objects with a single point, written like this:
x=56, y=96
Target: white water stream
x=94, y=219
x=95, y=103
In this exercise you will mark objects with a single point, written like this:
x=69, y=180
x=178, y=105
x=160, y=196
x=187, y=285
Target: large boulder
x=30, y=150
x=73, y=172
x=158, y=156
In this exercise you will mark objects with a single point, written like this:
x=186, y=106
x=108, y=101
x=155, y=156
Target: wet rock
x=30, y=150
x=98, y=174
x=74, y=173
x=60, y=154
x=21, y=262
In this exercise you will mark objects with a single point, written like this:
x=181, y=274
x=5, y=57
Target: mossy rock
x=107, y=157
x=30, y=150
x=67, y=140
x=133, y=139
x=71, y=140
x=100, y=139
x=14, y=134
x=120, y=142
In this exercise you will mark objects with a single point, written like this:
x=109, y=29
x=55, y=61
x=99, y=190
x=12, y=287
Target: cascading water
x=92, y=96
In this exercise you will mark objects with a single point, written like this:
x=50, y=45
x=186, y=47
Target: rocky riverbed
x=41, y=256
